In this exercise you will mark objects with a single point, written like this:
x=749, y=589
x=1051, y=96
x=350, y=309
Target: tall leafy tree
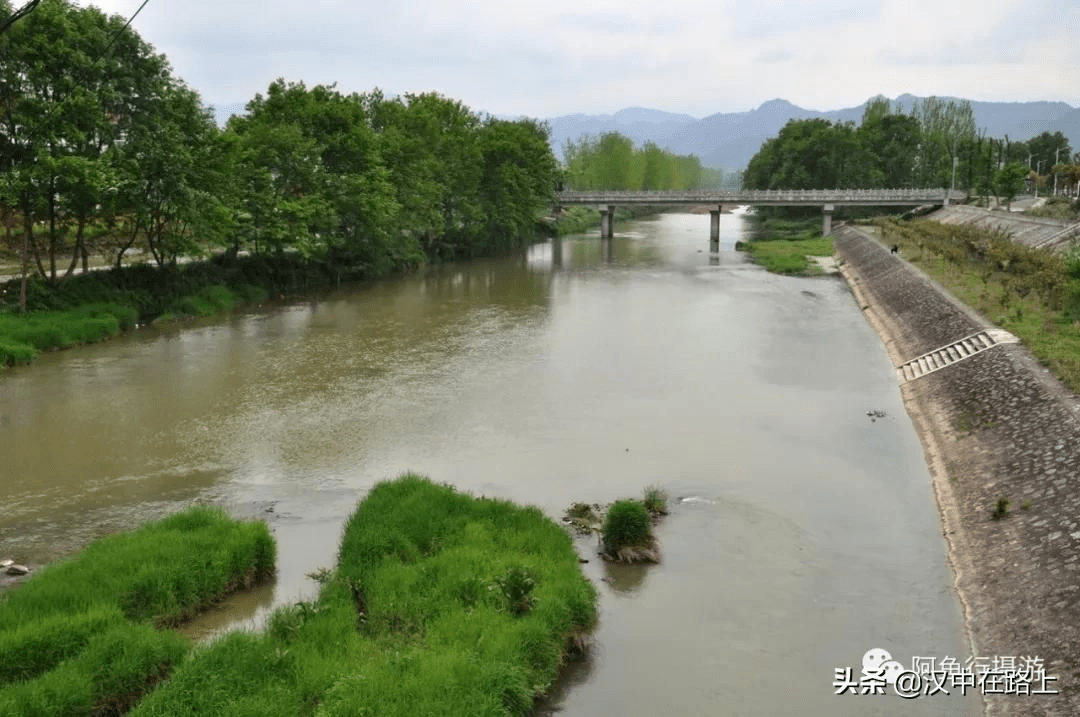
x=808, y=154
x=945, y=125
x=282, y=183
x=75, y=82
x=429, y=145
x=170, y=187
x=890, y=143
x=518, y=179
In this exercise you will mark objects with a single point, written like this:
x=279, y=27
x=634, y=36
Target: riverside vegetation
x=313, y=186
x=782, y=244
x=1033, y=293
x=624, y=527
x=84, y=637
x=440, y=604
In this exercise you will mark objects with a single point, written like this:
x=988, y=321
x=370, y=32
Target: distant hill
x=728, y=140
x=640, y=125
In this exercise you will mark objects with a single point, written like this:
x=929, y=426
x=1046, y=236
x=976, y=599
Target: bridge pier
x=714, y=230
x=826, y=221
x=607, y=222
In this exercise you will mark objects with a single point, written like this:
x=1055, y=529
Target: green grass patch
x=79, y=637
x=576, y=220
x=440, y=604
x=789, y=256
x=13, y=352
x=655, y=500
x=207, y=301
x=22, y=335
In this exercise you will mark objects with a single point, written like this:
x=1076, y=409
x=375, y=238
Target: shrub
x=626, y=526
x=516, y=586
x=656, y=500
x=13, y=353
x=1001, y=509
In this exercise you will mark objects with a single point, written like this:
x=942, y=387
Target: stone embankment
x=1039, y=232
x=994, y=425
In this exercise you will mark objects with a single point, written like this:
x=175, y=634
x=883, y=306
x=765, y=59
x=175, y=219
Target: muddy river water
x=802, y=533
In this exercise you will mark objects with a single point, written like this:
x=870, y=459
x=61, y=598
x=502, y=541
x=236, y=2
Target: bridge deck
x=766, y=197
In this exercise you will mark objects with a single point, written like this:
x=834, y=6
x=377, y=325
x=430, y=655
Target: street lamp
x=1056, y=153
x=955, y=161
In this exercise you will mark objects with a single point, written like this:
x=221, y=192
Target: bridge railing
x=802, y=196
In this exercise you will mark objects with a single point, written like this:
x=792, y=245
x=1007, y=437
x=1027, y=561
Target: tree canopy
x=104, y=150
x=928, y=147
x=611, y=161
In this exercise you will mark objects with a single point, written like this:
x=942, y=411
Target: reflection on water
x=578, y=370
x=625, y=580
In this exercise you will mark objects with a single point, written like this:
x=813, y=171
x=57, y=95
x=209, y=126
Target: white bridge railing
x=764, y=196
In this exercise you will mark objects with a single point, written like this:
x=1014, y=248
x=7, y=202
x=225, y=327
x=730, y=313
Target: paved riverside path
x=995, y=424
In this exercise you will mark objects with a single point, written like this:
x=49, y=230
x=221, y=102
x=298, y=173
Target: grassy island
x=84, y=637
x=440, y=604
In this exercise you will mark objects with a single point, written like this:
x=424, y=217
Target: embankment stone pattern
x=994, y=425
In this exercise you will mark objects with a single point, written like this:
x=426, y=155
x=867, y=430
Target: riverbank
x=999, y=434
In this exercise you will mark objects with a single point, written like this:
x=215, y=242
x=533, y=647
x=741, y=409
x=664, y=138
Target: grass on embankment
x=79, y=637
x=440, y=604
x=1033, y=293
x=24, y=336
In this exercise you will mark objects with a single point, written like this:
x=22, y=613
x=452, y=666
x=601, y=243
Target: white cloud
x=562, y=56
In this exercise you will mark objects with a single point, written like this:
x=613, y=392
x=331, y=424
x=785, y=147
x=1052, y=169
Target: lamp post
x=1056, y=153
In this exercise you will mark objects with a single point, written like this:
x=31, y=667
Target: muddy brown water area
x=802, y=533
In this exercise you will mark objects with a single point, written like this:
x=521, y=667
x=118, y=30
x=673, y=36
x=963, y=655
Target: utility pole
x=1038, y=167
x=1056, y=152
x=955, y=161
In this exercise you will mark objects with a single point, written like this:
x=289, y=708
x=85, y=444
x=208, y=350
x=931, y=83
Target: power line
x=121, y=30
x=20, y=13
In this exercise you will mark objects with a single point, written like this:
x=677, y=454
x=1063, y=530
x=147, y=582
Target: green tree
x=170, y=190
x=945, y=125
x=890, y=143
x=429, y=144
x=1009, y=181
x=518, y=179
x=809, y=154
x=283, y=185
x=73, y=82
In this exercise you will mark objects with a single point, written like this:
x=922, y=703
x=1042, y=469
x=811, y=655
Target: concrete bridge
x=827, y=199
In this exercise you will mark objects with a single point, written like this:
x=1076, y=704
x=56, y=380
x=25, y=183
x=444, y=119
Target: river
x=802, y=532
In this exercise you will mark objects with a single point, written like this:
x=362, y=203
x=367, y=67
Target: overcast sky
x=545, y=58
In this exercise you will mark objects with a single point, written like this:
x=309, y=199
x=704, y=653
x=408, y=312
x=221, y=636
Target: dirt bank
x=993, y=425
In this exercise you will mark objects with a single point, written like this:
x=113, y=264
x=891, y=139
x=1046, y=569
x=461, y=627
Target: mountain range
x=727, y=140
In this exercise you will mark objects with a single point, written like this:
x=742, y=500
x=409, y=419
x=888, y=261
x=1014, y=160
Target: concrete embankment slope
x=994, y=424
x=1040, y=232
